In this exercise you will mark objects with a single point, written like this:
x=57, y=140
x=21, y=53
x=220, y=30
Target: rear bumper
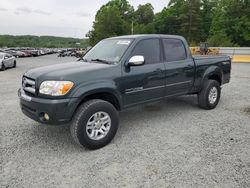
x=60, y=111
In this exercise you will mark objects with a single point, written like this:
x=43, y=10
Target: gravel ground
x=172, y=143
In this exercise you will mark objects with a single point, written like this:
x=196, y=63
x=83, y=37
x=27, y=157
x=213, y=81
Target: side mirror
x=5, y=57
x=137, y=60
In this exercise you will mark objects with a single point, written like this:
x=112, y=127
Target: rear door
x=146, y=82
x=180, y=68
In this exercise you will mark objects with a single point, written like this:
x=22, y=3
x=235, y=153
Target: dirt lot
x=172, y=143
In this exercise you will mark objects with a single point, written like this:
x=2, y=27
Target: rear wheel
x=209, y=96
x=14, y=65
x=95, y=124
x=2, y=67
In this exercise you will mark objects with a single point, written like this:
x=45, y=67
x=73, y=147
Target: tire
x=3, y=67
x=86, y=114
x=14, y=65
x=209, y=96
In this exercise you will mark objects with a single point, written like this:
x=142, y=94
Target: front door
x=146, y=82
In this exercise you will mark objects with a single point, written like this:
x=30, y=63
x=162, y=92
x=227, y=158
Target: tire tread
x=202, y=95
x=76, y=125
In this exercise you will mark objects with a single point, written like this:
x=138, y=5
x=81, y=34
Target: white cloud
x=55, y=17
x=3, y=9
x=25, y=10
x=38, y=11
x=83, y=14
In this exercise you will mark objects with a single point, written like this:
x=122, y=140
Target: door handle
x=188, y=67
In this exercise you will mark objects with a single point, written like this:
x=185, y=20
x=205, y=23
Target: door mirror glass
x=136, y=61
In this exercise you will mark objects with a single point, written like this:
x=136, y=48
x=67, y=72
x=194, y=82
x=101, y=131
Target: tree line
x=218, y=22
x=42, y=41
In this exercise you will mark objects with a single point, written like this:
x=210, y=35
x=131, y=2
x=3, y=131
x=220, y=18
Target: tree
x=143, y=19
x=40, y=42
x=181, y=17
x=232, y=19
x=144, y=14
x=113, y=19
x=191, y=20
x=207, y=11
x=221, y=22
x=167, y=22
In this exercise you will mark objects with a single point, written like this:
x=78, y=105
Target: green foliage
x=207, y=10
x=111, y=20
x=232, y=19
x=167, y=22
x=220, y=39
x=143, y=19
x=144, y=14
x=220, y=22
x=43, y=41
x=144, y=29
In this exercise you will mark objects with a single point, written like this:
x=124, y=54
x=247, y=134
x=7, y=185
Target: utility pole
x=132, y=28
x=190, y=25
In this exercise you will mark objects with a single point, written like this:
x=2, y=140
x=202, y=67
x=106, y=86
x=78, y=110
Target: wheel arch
x=106, y=94
x=212, y=73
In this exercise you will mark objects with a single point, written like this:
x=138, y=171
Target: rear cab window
x=174, y=50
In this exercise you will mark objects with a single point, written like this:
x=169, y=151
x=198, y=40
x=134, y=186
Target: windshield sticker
x=123, y=42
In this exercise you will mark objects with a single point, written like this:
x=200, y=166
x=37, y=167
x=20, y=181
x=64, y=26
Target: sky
x=66, y=18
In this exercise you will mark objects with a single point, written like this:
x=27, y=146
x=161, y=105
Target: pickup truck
x=116, y=74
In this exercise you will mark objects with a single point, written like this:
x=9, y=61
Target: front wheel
x=209, y=96
x=95, y=124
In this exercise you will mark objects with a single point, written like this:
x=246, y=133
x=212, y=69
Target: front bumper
x=60, y=111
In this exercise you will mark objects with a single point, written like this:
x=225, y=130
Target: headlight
x=55, y=88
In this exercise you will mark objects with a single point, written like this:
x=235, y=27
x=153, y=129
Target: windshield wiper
x=102, y=61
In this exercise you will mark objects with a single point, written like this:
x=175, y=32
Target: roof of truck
x=148, y=36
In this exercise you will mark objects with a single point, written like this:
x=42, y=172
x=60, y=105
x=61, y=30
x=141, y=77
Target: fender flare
x=86, y=89
x=212, y=71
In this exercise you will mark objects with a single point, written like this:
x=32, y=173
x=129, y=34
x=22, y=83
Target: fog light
x=46, y=116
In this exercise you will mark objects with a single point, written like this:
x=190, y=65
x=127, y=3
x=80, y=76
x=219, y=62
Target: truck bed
x=205, y=63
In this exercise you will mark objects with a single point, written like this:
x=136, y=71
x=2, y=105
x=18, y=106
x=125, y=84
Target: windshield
x=110, y=50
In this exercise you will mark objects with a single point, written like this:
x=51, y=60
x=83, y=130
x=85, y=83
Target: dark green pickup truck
x=115, y=74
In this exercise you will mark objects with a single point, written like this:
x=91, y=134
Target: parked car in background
x=6, y=61
x=16, y=53
x=64, y=53
x=35, y=52
x=28, y=53
x=72, y=52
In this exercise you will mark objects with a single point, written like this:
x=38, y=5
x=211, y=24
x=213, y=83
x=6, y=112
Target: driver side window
x=150, y=49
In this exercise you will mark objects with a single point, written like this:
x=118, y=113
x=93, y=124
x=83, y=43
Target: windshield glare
x=109, y=50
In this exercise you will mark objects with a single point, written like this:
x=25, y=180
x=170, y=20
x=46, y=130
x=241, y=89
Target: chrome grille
x=29, y=85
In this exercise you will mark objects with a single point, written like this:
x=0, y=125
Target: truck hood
x=63, y=70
